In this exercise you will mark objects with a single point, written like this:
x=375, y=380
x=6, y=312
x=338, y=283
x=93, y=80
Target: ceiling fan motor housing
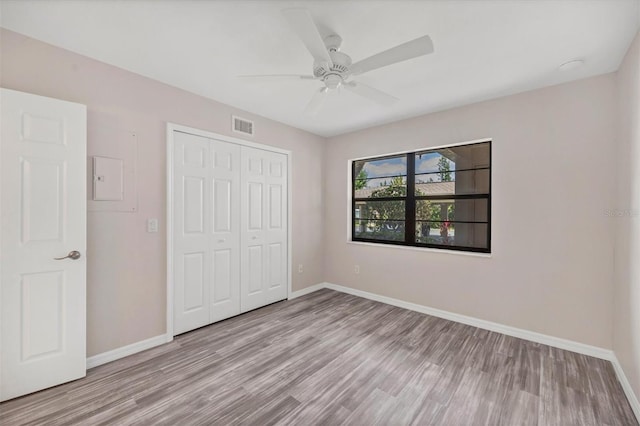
x=339, y=69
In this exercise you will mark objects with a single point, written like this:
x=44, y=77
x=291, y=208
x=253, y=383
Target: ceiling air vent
x=241, y=125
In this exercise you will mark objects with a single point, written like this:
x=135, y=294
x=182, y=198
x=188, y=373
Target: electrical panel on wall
x=112, y=164
x=108, y=179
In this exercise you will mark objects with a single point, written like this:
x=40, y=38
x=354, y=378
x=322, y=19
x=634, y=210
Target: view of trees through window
x=433, y=198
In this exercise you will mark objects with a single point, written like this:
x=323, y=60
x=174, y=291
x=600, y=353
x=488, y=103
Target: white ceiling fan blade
x=278, y=77
x=302, y=23
x=411, y=49
x=370, y=93
x=316, y=101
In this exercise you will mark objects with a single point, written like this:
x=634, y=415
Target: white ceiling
x=483, y=48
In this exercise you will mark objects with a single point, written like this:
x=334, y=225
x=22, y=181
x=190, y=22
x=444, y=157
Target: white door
x=43, y=201
x=229, y=217
x=225, y=241
x=276, y=235
x=263, y=228
x=191, y=231
x=206, y=231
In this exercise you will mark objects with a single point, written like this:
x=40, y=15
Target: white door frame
x=172, y=127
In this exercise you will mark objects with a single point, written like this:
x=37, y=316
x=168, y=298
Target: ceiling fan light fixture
x=332, y=81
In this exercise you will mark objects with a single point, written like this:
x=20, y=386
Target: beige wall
x=626, y=214
x=126, y=265
x=552, y=261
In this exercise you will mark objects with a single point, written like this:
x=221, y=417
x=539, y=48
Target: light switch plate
x=152, y=225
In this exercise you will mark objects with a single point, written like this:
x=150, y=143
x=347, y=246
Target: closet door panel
x=264, y=228
x=193, y=278
x=252, y=233
x=276, y=230
x=225, y=236
x=192, y=270
x=193, y=205
x=255, y=267
x=222, y=210
x=275, y=266
x=222, y=286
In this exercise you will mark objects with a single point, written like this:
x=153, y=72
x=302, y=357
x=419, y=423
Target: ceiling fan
x=335, y=69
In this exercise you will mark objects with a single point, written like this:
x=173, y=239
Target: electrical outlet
x=152, y=225
x=300, y=268
x=356, y=269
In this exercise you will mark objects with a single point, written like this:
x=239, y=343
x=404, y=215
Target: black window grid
x=410, y=205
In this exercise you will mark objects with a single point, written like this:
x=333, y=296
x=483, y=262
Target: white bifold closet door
x=229, y=229
x=264, y=228
x=206, y=231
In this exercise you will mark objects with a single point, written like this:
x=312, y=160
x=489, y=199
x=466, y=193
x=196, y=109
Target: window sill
x=423, y=249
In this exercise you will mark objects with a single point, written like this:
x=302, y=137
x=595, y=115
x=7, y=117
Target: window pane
x=380, y=210
x=453, y=158
x=452, y=234
x=452, y=210
x=458, y=183
x=382, y=188
x=435, y=162
x=386, y=177
x=387, y=230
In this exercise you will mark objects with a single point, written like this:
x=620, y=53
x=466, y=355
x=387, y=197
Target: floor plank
x=331, y=358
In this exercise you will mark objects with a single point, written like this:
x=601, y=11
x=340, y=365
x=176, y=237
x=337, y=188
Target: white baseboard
x=626, y=386
x=306, y=290
x=124, y=351
x=556, y=342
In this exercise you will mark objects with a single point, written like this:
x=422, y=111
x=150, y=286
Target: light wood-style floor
x=330, y=358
